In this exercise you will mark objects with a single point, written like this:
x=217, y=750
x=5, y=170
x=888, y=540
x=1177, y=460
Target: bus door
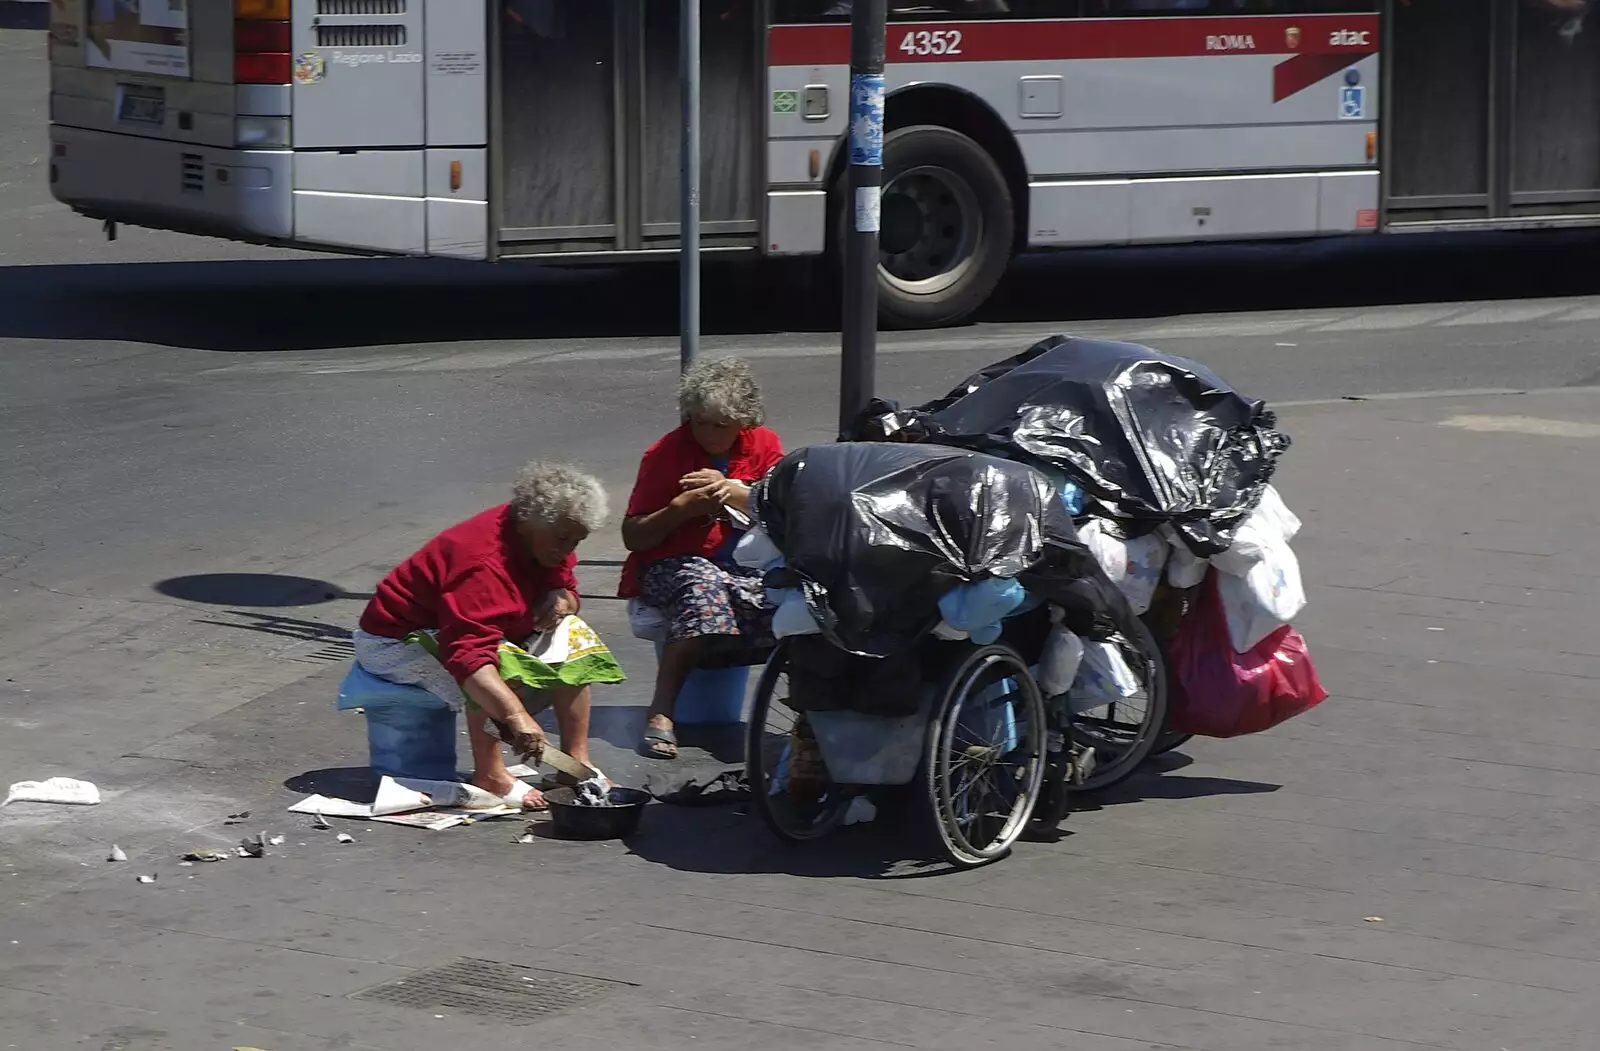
x=588, y=120
x=1495, y=112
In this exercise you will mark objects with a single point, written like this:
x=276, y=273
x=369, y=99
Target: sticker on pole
x=1353, y=102
x=868, y=201
x=866, y=121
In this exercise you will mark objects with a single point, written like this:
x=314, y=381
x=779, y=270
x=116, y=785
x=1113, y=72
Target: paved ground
x=211, y=460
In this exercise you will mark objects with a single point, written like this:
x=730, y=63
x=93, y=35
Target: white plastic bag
x=755, y=550
x=1058, y=664
x=792, y=616
x=1109, y=551
x=1134, y=566
x=1270, y=524
x=1266, y=598
x=1185, y=569
x=646, y=622
x=1103, y=678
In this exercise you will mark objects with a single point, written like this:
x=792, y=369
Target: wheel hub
x=931, y=228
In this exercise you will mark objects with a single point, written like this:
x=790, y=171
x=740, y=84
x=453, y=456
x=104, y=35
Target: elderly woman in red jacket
x=681, y=538
x=502, y=575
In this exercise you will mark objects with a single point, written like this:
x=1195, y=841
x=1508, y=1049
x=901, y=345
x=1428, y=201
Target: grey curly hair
x=550, y=492
x=722, y=387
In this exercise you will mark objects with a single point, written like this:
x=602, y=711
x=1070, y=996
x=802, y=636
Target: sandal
x=519, y=793
x=658, y=744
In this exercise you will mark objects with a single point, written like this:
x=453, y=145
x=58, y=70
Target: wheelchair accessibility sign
x=1353, y=102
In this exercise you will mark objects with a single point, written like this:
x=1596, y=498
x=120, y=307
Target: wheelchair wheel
x=789, y=784
x=985, y=756
x=1170, y=742
x=1125, y=734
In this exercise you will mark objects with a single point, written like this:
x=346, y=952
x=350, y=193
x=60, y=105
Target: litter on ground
x=205, y=855
x=433, y=805
x=53, y=790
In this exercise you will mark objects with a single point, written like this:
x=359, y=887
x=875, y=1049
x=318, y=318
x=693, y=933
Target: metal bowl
x=618, y=821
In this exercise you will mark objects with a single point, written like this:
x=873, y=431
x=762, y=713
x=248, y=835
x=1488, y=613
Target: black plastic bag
x=875, y=534
x=1150, y=437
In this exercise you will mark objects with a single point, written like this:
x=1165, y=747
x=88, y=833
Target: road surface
x=214, y=452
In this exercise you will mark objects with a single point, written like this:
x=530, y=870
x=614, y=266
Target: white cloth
x=406, y=664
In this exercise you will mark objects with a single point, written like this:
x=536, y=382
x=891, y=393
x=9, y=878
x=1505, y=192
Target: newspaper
x=433, y=805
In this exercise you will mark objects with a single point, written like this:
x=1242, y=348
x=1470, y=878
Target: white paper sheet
x=413, y=803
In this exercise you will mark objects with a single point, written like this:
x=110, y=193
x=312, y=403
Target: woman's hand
x=702, y=502
x=735, y=494
x=701, y=479
x=552, y=608
x=525, y=736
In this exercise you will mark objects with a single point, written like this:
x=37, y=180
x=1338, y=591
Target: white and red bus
x=548, y=129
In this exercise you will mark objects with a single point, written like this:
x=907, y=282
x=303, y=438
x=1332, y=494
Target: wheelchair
x=986, y=755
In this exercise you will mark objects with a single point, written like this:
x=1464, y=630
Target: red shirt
x=755, y=453
x=475, y=583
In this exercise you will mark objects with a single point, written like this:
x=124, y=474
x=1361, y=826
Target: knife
x=551, y=754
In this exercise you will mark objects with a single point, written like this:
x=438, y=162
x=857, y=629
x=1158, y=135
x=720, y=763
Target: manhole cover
x=503, y=992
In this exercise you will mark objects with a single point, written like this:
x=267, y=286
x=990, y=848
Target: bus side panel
x=1162, y=129
x=358, y=103
x=457, y=166
x=165, y=185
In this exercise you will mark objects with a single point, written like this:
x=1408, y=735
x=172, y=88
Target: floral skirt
x=700, y=597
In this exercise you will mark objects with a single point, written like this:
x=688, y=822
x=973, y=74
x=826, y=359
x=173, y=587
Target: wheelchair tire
x=1004, y=758
x=768, y=746
x=1121, y=748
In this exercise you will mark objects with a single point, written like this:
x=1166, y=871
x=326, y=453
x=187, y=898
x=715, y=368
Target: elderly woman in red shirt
x=502, y=575
x=681, y=538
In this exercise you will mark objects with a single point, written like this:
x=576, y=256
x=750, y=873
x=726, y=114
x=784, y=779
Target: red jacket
x=664, y=464
x=475, y=583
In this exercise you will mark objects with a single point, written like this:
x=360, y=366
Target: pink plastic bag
x=1219, y=693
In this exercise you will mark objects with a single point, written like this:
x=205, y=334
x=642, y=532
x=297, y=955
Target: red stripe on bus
x=1302, y=71
x=1019, y=41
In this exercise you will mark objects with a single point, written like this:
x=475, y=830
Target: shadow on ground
x=253, y=589
x=732, y=841
x=315, y=303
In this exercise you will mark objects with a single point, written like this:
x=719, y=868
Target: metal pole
x=859, y=334
x=689, y=186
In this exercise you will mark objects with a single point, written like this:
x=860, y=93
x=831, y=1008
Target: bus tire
x=946, y=227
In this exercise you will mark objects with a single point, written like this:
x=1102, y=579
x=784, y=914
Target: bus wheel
x=946, y=228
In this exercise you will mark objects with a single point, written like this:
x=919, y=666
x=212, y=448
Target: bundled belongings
x=884, y=546
x=1151, y=438
x=1166, y=469
x=874, y=535
x=1224, y=692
